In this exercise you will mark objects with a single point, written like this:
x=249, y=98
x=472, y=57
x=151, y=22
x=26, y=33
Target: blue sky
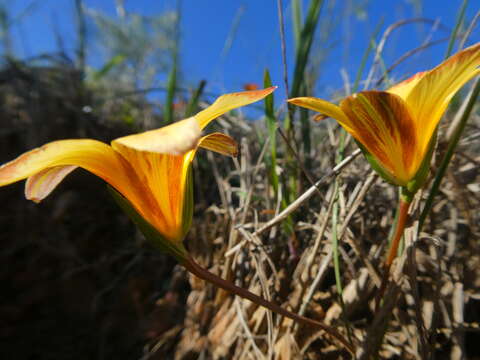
x=206, y=25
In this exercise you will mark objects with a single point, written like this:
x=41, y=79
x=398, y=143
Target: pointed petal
x=40, y=185
x=175, y=139
x=161, y=159
x=430, y=96
x=231, y=101
x=163, y=177
x=381, y=122
x=323, y=107
x=220, y=143
x=92, y=155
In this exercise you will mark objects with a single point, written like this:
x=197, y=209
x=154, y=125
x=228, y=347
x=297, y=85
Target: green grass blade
x=171, y=87
x=340, y=154
x=304, y=45
x=192, y=106
x=81, y=34
x=339, y=158
x=109, y=65
x=232, y=33
x=306, y=131
x=297, y=21
x=272, y=132
x=453, y=35
x=272, y=162
x=172, y=76
x=336, y=255
x=366, y=54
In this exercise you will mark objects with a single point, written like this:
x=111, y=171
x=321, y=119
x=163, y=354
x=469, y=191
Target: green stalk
x=107, y=67
x=297, y=15
x=171, y=87
x=232, y=33
x=306, y=131
x=272, y=126
x=297, y=21
x=453, y=35
x=172, y=76
x=335, y=240
x=290, y=188
x=304, y=45
x=192, y=106
x=336, y=261
x=82, y=34
x=366, y=54
x=336, y=255
x=339, y=158
x=272, y=132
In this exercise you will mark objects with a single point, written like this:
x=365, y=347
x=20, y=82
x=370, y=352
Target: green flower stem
x=204, y=274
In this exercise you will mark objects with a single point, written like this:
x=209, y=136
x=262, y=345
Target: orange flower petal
x=220, y=143
x=175, y=139
x=163, y=177
x=228, y=102
x=404, y=88
x=40, y=185
x=92, y=155
x=161, y=159
x=325, y=108
x=431, y=93
x=382, y=123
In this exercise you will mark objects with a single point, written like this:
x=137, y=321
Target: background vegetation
x=79, y=282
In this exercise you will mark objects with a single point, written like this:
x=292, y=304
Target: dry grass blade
x=309, y=193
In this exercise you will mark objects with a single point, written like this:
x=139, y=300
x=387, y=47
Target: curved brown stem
x=392, y=253
x=204, y=274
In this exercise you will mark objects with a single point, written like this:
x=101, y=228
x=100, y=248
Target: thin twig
x=284, y=46
x=204, y=274
x=468, y=32
x=309, y=193
x=386, y=35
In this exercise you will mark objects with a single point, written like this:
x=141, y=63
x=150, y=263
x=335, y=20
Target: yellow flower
x=150, y=170
x=395, y=127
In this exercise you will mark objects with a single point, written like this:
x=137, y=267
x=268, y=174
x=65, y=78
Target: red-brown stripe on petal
x=220, y=143
x=399, y=122
x=382, y=123
x=365, y=130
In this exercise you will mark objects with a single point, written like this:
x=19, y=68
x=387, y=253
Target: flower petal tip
x=296, y=100
x=257, y=94
x=231, y=101
x=303, y=101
